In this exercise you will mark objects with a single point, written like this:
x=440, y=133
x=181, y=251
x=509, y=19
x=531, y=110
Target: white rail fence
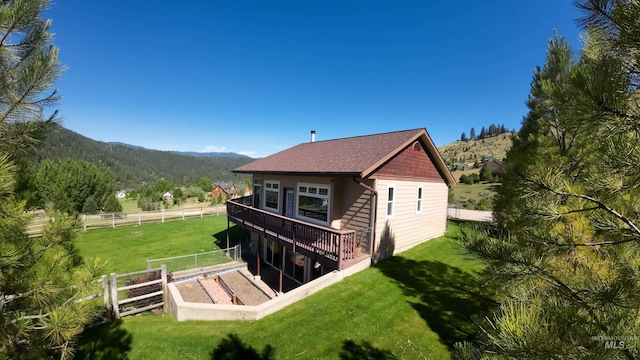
x=113, y=220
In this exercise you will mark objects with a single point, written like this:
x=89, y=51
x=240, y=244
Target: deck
x=334, y=249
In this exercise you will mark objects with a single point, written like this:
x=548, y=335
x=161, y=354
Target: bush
x=89, y=206
x=112, y=205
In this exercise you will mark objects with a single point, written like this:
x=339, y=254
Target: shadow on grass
x=232, y=348
x=447, y=298
x=364, y=351
x=236, y=235
x=107, y=341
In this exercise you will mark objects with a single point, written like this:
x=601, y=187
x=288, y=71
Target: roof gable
x=357, y=156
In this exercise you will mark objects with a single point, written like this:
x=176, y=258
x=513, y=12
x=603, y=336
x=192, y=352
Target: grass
x=496, y=146
x=469, y=195
x=126, y=249
x=129, y=205
x=413, y=306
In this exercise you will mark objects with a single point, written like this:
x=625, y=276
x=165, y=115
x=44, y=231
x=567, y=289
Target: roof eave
x=297, y=173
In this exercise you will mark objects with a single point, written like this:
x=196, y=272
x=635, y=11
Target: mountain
x=135, y=166
x=210, y=154
x=472, y=150
x=188, y=153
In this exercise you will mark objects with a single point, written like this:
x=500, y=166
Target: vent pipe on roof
x=313, y=135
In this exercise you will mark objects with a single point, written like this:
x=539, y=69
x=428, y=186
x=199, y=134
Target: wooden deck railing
x=331, y=247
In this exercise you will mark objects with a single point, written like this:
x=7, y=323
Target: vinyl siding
x=350, y=202
x=408, y=228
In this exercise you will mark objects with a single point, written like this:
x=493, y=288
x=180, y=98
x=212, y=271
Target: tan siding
x=357, y=204
x=350, y=202
x=407, y=228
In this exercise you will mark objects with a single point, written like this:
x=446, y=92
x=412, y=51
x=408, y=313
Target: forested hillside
x=134, y=166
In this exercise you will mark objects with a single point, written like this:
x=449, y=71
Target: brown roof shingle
x=355, y=156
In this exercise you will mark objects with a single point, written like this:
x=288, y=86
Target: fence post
x=139, y=217
x=114, y=296
x=201, y=212
x=163, y=216
x=84, y=222
x=195, y=261
x=163, y=274
x=182, y=214
x=105, y=295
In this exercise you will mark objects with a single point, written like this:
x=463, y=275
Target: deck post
x=228, y=226
x=258, y=257
x=280, y=288
x=340, y=250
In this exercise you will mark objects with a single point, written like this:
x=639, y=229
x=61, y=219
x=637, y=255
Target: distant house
x=168, y=196
x=121, y=194
x=459, y=167
x=327, y=205
x=230, y=190
x=224, y=189
x=486, y=158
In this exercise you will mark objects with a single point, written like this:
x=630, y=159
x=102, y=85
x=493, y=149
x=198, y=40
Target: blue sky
x=254, y=77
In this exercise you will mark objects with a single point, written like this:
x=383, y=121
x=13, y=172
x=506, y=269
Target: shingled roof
x=354, y=156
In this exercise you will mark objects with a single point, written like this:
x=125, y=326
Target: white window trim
x=297, y=202
x=264, y=190
x=392, y=202
x=419, y=198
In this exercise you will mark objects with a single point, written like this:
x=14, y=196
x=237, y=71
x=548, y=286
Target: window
x=313, y=202
x=390, y=200
x=419, y=201
x=271, y=194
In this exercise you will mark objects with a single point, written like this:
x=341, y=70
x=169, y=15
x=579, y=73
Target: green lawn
x=468, y=196
x=129, y=205
x=126, y=249
x=412, y=306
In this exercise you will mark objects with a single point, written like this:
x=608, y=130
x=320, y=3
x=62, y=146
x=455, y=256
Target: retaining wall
x=182, y=310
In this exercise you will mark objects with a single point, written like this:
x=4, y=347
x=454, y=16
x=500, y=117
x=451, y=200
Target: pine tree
x=112, y=205
x=483, y=133
x=567, y=248
x=39, y=279
x=463, y=137
x=472, y=134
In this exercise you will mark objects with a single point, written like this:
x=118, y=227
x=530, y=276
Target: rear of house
x=326, y=205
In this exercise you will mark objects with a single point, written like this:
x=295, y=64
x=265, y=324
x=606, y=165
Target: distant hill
x=211, y=154
x=189, y=153
x=472, y=150
x=134, y=166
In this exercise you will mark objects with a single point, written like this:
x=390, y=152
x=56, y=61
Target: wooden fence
x=138, y=291
x=113, y=220
x=132, y=293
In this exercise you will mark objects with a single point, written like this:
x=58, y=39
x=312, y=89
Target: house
x=327, y=205
x=229, y=190
x=486, y=158
x=168, y=196
x=121, y=194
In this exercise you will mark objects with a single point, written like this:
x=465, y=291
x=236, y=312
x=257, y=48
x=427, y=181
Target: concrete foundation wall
x=183, y=311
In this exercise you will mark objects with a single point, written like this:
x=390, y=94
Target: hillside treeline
x=491, y=130
x=135, y=166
